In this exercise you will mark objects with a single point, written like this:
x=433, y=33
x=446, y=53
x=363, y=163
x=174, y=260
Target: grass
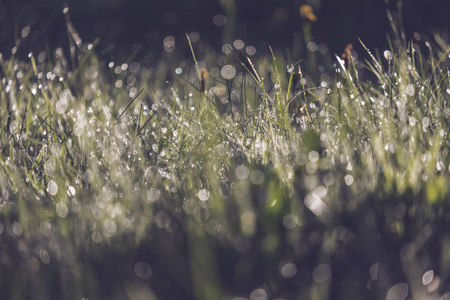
x=259, y=180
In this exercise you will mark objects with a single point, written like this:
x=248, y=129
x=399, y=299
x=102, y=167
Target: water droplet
x=61, y=209
x=219, y=20
x=162, y=220
x=321, y=273
x=169, y=43
x=242, y=172
x=5, y=194
x=348, y=179
x=52, y=188
x=110, y=227
x=256, y=177
x=250, y=50
x=398, y=292
x=228, y=72
x=238, y=44
x=71, y=191
x=288, y=270
x=44, y=256
x=143, y=270
x=427, y=277
x=203, y=195
x=96, y=237
x=259, y=294
x=410, y=90
x=388, y=55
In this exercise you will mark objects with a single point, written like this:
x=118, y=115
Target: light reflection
x=256, y=177
x=203, y=195
x=288, y=270
x=242, y=172
x=228, y=72
x=270, y=242
x=143, y=270
x=321, y=273
x=169, y=43
x=219, y=20
x=398, y=292
x=44, y=256
x=162, y=220
x=61, y=209
x=427, y=277
x=52, y=188
x=315, y=204
x=96, y=237
x=259, y=294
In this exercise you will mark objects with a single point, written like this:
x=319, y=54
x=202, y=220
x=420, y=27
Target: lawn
x=225, y=173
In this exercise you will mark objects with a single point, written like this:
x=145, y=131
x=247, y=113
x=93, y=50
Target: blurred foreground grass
x=264, y=179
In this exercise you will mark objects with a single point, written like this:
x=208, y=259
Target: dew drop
x=398, y=292
x=143, y=270
x=288, y=270
x=62, y=210
x=52, y=188
x=228, y=72
x=71, y=191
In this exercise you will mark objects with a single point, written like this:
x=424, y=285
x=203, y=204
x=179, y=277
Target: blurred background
x=140, y=26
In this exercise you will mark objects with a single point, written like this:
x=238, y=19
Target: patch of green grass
x=267, y=182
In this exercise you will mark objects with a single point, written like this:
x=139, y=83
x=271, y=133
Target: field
x=226, y=174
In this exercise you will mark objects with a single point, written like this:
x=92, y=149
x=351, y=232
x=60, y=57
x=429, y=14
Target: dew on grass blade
x=388, y=55
x=52, y=188
x=143, y=270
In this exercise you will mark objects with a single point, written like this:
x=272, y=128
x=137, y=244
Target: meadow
x=226, y=174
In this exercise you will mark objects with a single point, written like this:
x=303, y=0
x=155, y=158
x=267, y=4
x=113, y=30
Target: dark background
x=121, y=24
